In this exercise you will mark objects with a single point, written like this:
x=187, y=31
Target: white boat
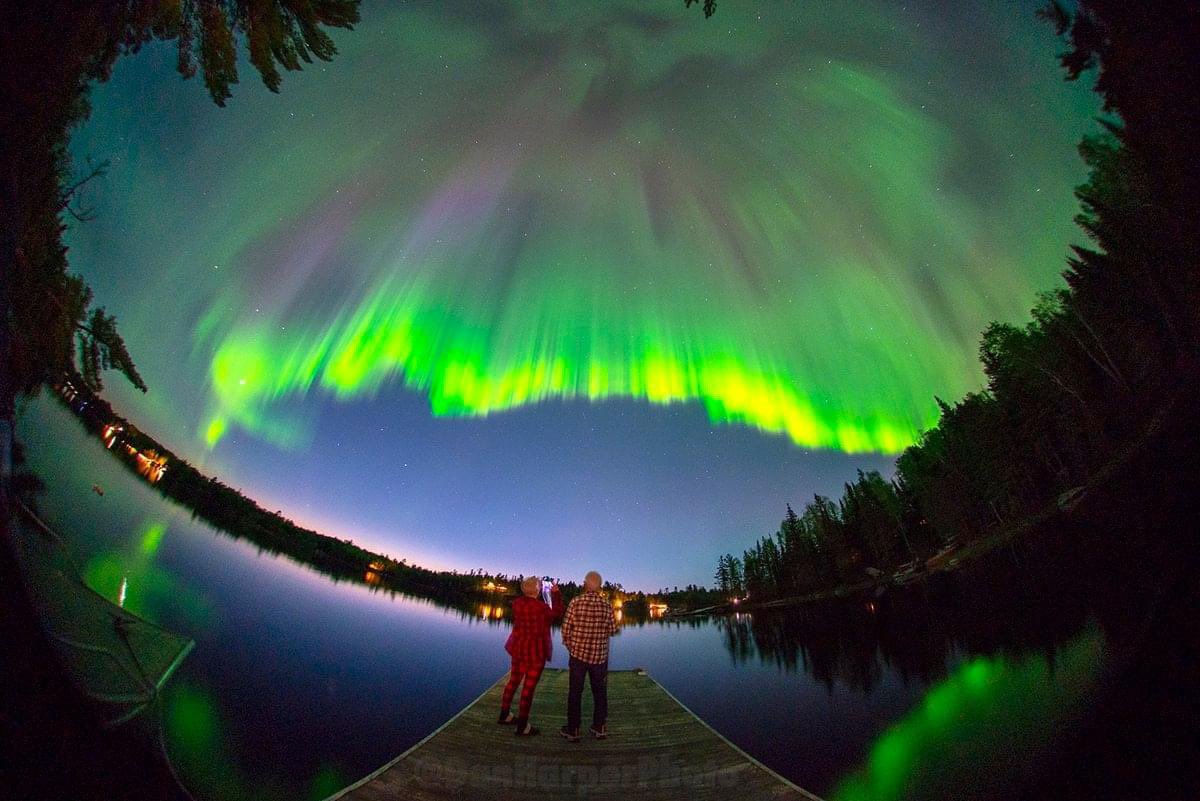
x=115, y=658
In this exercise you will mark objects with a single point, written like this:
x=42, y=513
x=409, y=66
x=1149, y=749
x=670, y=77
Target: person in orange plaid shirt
x=585, y=631
x=530, y=649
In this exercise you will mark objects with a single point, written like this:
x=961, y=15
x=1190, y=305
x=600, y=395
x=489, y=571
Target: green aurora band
x=784, y=216
x=715, y=307
x=980, y=726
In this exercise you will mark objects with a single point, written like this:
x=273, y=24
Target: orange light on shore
x=374, y=573
x=150, y=464
x=489, y=611
x=109, y=435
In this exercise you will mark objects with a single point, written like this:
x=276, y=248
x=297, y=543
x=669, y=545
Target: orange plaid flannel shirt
x=587, y=626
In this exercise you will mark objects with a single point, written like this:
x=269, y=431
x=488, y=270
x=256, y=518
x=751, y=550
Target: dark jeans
x=598, y=678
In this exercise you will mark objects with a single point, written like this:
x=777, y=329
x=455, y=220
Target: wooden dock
x=656, y=749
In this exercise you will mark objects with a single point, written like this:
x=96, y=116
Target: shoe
x=571, y=735
x=524, y=729
x=599, y=732
x=506, y=718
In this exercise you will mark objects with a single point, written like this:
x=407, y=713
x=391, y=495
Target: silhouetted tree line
x=1029, y=598
x=875, y=526
x=1102, y=360
x=233, y=513
x=689, y=598
x=996, y=606
x=230, y=511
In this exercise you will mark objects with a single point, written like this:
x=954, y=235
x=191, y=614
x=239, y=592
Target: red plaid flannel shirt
x=588, y=625
x=529, y=642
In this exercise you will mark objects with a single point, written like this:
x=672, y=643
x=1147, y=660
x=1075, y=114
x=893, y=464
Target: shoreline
x=951, y=560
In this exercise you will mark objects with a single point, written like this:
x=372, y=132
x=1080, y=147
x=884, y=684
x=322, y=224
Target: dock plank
x=656, y=749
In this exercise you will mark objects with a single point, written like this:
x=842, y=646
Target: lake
x=299, y=684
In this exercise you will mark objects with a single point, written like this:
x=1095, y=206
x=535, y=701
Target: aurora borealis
x=793, y=218
x=570, y=256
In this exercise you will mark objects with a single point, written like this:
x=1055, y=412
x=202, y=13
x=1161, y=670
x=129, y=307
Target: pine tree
x=722, y=574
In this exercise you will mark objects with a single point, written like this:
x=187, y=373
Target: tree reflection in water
x=1038, y=659
x=1013, y=603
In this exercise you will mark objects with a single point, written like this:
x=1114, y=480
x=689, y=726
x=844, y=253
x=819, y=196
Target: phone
x=545, y=586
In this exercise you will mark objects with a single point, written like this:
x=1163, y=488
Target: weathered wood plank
x=656, y=749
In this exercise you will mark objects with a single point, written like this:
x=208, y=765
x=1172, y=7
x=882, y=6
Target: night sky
x=545, y=287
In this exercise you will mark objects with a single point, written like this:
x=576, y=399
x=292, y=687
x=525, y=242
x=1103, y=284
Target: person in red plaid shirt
x=529, y=646
x=585, y=631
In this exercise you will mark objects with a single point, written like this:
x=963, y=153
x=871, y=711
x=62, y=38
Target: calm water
x=299, y=685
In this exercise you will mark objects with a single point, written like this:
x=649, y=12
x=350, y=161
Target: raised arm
x=556, y=602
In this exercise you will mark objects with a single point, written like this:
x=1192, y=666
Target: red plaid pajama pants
x=530, y=673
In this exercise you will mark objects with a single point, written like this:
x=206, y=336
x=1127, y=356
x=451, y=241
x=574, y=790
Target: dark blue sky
x=647, y=495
